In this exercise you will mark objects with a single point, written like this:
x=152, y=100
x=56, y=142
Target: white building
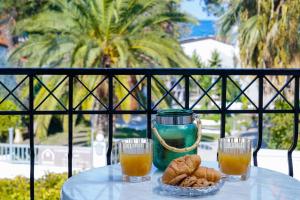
x=229, y=55
x=204, y=47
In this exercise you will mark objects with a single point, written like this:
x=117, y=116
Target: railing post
x=149, y=108
x=31, y=134
x=260, y=117
x=70, y=126
x=296, y=126
x=223, y=105
x=110, y=118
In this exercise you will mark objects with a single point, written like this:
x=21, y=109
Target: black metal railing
x=223, y=76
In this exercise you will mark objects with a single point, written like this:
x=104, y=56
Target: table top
x=106, y=183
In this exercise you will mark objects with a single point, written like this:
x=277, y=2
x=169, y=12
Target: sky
x=195, y=8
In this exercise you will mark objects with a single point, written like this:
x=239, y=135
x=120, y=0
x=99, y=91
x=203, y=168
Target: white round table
x=106, y=184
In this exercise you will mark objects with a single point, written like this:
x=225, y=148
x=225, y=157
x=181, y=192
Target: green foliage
x=99, y=34
x=8, y=121
x=245, y=102
x=209, y=137
x=21, y=8
x=215, y=60
x=204, y=81
x=216, y=118
x=129, y=133
x=232, y=91
x=197, y=60
x=49, y=186
x=229, y=124
x=14, y=189
x=281, y=127
x=268, y=31
x=207, y=81
x=46, y=188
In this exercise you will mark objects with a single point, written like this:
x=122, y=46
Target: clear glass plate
x=189, y=191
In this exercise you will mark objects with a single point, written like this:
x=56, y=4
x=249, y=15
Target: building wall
x=204, y=48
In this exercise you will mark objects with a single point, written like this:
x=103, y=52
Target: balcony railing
x=260, y=77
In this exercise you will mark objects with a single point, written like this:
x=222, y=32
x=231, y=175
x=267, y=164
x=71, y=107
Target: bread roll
x=180, y=167
x=209, y=174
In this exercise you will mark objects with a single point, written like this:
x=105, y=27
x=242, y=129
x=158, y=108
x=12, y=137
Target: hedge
x=46, y=188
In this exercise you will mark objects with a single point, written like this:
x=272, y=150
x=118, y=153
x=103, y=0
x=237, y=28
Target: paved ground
x=10, y=170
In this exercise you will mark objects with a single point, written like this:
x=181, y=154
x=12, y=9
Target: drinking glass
x=136, y=159
x=234, y=156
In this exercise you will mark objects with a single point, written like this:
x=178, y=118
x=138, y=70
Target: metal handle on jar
x=180, y=150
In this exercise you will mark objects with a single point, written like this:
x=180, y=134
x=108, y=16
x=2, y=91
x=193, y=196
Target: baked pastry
x=209, y=174
x=177, y=179
x=187, y=172
x=180, y=168
x=201, y=182
x=188, y=181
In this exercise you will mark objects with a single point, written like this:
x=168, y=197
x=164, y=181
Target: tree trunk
x=134, y=103
x=100, y=124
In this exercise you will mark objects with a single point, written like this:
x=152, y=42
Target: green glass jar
x=174, y=135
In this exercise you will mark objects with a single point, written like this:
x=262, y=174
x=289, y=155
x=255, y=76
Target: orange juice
x=136, y=164
x=234, y=164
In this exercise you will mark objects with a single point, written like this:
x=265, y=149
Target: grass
x=209, y=137
x=129, y=133
x=56, y=139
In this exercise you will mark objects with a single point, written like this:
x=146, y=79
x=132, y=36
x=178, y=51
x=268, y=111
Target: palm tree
x=215, y=60
x=99, y=34
x=268, y=31
x=268, y=34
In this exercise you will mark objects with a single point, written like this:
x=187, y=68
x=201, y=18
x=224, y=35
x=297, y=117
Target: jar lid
x=174, y=117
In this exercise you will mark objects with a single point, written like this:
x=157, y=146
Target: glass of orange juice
x=136, y=159
x=234, y=156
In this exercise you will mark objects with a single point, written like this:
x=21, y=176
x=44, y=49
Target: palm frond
x=100, y=33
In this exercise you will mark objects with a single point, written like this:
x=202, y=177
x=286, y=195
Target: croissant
x=180, y=168
x=188, y=181
x=209, y=174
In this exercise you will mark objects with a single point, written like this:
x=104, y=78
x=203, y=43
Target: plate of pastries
x=186, y=177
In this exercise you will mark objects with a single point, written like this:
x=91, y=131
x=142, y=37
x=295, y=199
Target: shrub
x=281, y=127
x=14, y=189
x=46, y=188
x=7, y=121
